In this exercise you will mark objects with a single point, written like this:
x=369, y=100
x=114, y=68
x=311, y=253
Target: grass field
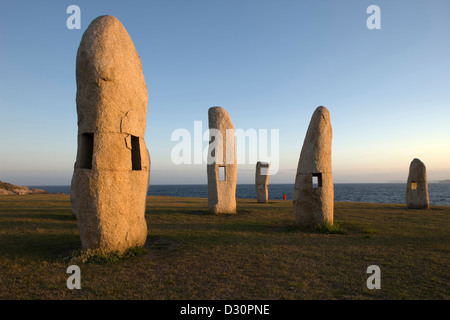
x=256, y=254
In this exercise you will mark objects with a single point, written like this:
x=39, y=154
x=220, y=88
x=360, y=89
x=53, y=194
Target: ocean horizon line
x=204, y=184
x=379, y=192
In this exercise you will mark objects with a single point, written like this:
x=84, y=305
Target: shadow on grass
x=35, y=226
x=177, y=210
x=35, y=214
x=336, y=228
x=161, y=243
x=48, y=247
x=268, y=202
x=198, y=212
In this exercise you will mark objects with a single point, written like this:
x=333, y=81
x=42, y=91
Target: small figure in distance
x=284, y=196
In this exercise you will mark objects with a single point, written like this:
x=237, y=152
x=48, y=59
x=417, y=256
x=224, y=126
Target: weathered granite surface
x=314, y=204
x=221, y=193
x=112, y=169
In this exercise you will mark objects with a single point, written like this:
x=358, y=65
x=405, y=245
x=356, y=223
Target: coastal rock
x=417, y=186
x=262, y=181
x=112, y=169
x=221, y=167
x=313, y=196
x=7, y=189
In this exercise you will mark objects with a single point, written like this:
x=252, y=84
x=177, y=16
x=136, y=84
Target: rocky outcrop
x=221, y=167
x=313, y=196
x=112, y=169
x=417, y=186
x=12, y=189
x=262, y=181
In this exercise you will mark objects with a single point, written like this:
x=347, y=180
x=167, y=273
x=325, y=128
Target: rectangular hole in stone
x=86, y=151
x=222, y=176
x=413, y=185
x=135, y=154
x=317, y=180
x=213, y=151
x=261, y=187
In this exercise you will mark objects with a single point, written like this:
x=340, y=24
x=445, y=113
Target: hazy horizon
x=204, y=184
x=249, y=183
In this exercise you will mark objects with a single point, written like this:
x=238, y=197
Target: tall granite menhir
x=262, y=181
x=112, y=169
x=313, y=197
x=221, y=167
x=417, y=186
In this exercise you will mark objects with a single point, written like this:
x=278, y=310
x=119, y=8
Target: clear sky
x=268, y=63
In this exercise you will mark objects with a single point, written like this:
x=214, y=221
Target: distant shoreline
x=439, y=193
x=287, y=183
x=393, y=192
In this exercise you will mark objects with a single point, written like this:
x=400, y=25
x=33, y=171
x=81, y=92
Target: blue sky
x=268, y=63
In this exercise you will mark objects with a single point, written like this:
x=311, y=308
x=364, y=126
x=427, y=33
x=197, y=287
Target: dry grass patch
x=257, y=253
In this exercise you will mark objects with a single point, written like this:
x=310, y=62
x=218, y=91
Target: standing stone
x=313, y=197
x=262, y=181
x=221, y=167
x=417, y=186
x=112, y=169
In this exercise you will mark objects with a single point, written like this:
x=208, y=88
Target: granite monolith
x=313, y=196
x=262, y=181
x=417, y=186
x=112, y=168
x=221, y=166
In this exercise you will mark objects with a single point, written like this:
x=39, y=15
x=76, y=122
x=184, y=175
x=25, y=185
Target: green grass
x=100, y=256
x=335, y=228
x=258, y=253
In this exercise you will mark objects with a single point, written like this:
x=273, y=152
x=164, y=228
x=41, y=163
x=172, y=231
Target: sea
x=439, y=193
